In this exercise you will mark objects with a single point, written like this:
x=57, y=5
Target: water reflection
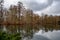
x=33, y=33
x=55, y=35
x=39, y=37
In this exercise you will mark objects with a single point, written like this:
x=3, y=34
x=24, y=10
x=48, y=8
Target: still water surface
x=41, y=35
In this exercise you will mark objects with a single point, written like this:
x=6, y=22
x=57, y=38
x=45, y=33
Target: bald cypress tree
x=1, y=12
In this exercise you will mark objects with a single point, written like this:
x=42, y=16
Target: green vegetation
x=7, y=36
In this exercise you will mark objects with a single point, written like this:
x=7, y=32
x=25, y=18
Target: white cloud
x=7, y=3
x=48, y=6
x=41, y=1
x=53, y=9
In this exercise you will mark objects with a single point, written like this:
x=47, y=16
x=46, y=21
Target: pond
x=36, y=33
x=42, y=35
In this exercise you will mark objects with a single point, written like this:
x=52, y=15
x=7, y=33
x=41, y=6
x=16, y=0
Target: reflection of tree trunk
x=4, y=28
x=1, y=27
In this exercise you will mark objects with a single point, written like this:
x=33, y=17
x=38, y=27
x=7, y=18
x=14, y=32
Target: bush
x=6, y=36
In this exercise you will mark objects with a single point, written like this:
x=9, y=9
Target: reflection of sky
x=55, y=35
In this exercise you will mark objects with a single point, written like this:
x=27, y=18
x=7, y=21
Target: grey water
x=41, y=35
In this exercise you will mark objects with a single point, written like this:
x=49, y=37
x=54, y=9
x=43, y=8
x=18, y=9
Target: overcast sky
x=38, y=6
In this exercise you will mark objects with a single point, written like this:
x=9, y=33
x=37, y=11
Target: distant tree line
x=19, y=15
